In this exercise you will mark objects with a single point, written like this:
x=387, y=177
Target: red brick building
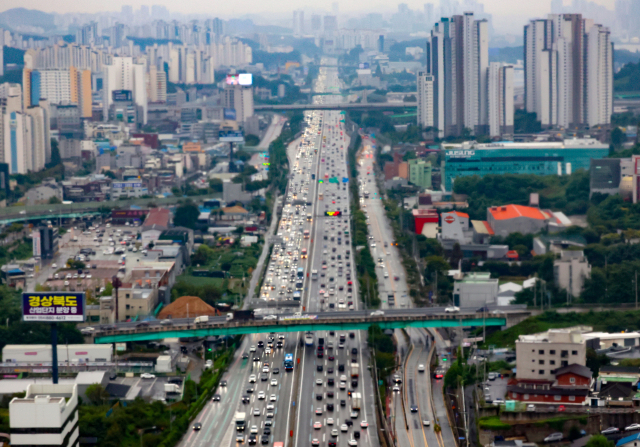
x=571, y=386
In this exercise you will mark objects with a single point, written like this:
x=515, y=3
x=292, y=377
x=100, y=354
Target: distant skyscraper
x=240, y=98
x=144, y=11
x=298, y=22
x=316, y=24
x=330, y=24
x=126, y=12
x=425, y=99
x=500, y=97
x=568, y=71
x=124, y=78
x=429, y=15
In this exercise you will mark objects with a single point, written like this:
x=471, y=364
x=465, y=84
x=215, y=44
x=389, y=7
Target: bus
x=306, y=234
x=314, y=275
x=288, y=362
x=296, y=295
x=300, y=272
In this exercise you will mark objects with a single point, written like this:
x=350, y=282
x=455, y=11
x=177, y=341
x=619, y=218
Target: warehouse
x=542, y=158
x=66, y=353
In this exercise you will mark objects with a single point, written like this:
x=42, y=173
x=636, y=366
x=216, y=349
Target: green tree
x=96, y=394
x=599, y=441
x=186, y=215
x=53, y=200
x=110, y=174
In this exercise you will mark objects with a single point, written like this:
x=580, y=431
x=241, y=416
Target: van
x=492, y=376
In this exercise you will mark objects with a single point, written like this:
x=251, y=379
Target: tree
x=186, y=215
x=96, y=394
x=110, y=174
x=53, y=200
x=599, y=441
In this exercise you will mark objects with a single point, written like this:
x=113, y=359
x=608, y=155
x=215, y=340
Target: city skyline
x=518, y=13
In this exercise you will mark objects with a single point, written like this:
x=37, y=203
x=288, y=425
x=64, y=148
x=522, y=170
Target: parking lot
x=496, y=389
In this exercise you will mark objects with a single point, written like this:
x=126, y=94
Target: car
x=554, y=437
x=270, y=317
x=315, y=442
x=252, y=349
x=451, y=309
x=252, y=439
x=352, y=442
x=414, y=408
x=318, y=411
x=344, y=428
x=421, y=368
x=274, y=382
x=245, y=399
x=330, y=421
x=377, y=313
x=364, y=424
x=215, y=398
x=275, y=371
x=252, y=378
x=273, y=398
x=256, y=412
x=532, y=407
x=147, y=376
x=262, y=395
x=223, y=383
x=396, y=389
x=239, y=438
x=317, y=425
x=334, y=432
x=426, y=423
x=197, y=426
x=254, y=429
x=319, y=382
x=610, y=431
x=632, y=427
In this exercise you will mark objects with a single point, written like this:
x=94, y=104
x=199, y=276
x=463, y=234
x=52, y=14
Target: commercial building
x=568, y=71
x=125, y=80
x=455, y=226
x=508, y=219
x=66, y=353
x=542, y=158
x=539, y=355
x=45, y=242
x=420, y=173
x=426, y=222
x=475, y=290
x=128, y=189
x=46, y=416
x=568, y=385
x=570, y=271
x=240, y=98
x=605, y=176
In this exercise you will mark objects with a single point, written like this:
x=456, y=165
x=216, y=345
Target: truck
x=171, y=388
x=308, y=339
x=241, y=420
x=355, y=370
x=201, y=320
x=240, y=315
x=320, y=341
x=356, y=401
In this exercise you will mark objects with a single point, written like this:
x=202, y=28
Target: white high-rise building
x=425, y=100
x=298, y=22
x=157, y=85
x=125, y=74
x=500, y=96
x=47, y=415
x=458, y=59
x=240, y=98
x=568, y=71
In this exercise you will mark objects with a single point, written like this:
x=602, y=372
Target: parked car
x=554, y=437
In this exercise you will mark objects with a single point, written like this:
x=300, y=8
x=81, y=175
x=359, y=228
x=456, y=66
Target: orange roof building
x=187, y=307
x=508, y=219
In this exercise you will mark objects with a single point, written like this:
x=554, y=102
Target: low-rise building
x=426, y=222
x=567, y=385
x=46, y=415
x=44, y=193
x=476, y=289
x=571, y=270
x=455, y=226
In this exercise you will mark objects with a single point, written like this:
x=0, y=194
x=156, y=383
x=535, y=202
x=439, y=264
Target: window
x=552, y=362
x=526, y=397
x=540, y=362
x=574, y=352
x=541, y=351
x=572, y=380
x=572, y=398
x=564, y=354
x=564, y=363
x=541, y=372
x=552, y=352
x=557, y=397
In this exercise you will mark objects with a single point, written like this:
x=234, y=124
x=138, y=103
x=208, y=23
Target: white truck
x=356, y=401
x=201, y=320
x=355, y=370
x=171, y=388
x=241, y=420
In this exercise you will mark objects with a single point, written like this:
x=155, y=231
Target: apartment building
x=539, y=355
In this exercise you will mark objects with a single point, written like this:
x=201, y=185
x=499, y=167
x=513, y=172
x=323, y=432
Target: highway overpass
x=339, y=106
x=328, y=321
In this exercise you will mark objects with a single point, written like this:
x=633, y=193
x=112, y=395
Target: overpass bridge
x=339, y=106
x=327, y=321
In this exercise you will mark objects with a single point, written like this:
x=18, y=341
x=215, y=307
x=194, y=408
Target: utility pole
x=636, y=281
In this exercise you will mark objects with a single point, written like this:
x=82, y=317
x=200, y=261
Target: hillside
x=25, y=19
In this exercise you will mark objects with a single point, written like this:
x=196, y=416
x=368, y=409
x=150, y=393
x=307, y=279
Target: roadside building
x=570, y=271
x=476, y=289
x=567, y=385
x=508, y=219
x=455, y=226
x=426, y=222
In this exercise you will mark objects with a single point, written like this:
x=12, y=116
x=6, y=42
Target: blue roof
x=631, y=438
x=15, y=271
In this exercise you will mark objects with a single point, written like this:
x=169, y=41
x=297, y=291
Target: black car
x=319, y=396
x=330, y=381
x=348, y=422
x=249, y=390
x=332, y=444
x=352, y=335
x=414, y=408
x=275, y=370
x=260, y=344
x=216, y=398
x=245, y=355
x=266, y=431
x=356, y=434
x=197, y=426
x=343, y=403
x=256, y=359
x=329, y=370
x=341, y=367
x=246, y=399
x=330, y=394
x=319, y=368
x=264, y=440
x=223, y=383
x=354, y=384
x=329, y=407
x=252, y=439
x=354, y=351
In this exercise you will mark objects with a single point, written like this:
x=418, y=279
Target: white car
x=329, y=421
x=344, y=428
x=267, y=350
x=273, y=398
x=451, y=309
x=262, y=395
x=319, y=382
x=352, y=442
x=377, y=313
x=270, y=317
x=87, y=330
x=421, y=368
x=252, y=378
x=274, y=382
x=252, y=348
x=147, y=376
x=254, y=429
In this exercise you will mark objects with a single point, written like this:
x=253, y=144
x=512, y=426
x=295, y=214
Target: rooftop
x=513, y=211
x=573, y=143
x=158, y=216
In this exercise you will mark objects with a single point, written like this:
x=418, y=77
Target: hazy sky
x=508, y=10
